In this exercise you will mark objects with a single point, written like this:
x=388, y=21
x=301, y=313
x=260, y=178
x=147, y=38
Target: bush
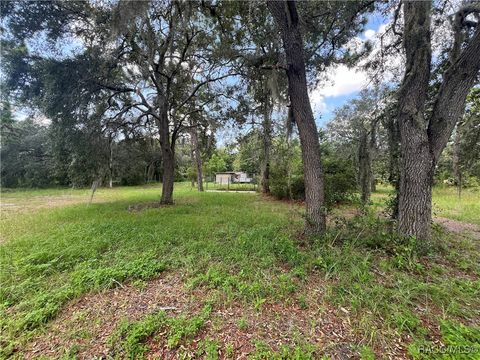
x=340, y=182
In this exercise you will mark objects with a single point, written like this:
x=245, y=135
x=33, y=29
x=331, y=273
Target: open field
x=227, y=275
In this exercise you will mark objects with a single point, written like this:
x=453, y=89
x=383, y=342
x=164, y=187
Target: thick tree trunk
x=267, y=143
x=168, y=156
x=198, y=158
x=286, y=17
x=423, y=141
x=457, y=82
x=364, y=168
x=416, y=164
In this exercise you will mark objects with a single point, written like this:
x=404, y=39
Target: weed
x=242, y=324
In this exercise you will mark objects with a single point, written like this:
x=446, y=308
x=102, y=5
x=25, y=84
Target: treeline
x=134, y=89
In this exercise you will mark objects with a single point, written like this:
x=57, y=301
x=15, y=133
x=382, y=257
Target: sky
x=345, y=83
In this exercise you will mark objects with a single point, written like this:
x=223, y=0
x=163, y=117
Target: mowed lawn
x=243, y=279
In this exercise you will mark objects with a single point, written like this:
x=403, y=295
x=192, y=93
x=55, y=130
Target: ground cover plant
x=242, y=279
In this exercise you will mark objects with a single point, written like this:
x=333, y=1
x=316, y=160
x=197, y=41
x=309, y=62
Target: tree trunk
x=457, y=173
x=364, y=167
x=286, y=17
x=197, y=158
x=267, y=143
x=422, y=141
x=168, y=156
x=416, y=164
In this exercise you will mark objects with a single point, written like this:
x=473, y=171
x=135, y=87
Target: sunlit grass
x=446, y=202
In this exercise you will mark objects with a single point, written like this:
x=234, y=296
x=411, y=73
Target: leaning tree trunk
x=288, y=22
x=197, y=158
x=416, y=164
x=267, y=144
x=168, y=157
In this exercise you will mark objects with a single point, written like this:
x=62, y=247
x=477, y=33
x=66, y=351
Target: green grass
x=130, y=336
x=237, y=245
x=446, y=202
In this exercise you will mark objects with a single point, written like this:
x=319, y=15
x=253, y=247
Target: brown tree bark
x=110, y=162
x=288, y=22
x=168, y=155
x=423, y=139
x=393, y=138
x=457, y=172
x=416, y=164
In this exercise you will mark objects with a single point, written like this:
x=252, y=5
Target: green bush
x=340, y=182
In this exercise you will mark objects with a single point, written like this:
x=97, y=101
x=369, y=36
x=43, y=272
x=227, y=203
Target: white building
x=229, y=177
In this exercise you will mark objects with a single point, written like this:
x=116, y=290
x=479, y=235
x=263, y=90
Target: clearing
x=229, y=275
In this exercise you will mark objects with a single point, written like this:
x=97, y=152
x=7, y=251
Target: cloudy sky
x=344, y=83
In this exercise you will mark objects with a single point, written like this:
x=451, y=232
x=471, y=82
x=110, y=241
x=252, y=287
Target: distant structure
x=230, y=177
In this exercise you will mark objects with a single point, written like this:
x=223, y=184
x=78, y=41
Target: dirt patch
x=459, y=227
x=87, y=323
x=40, y=202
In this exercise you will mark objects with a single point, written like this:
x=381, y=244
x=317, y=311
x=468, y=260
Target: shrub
x=340, y=182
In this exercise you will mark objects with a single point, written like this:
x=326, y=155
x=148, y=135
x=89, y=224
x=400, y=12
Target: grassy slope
x=238, y=243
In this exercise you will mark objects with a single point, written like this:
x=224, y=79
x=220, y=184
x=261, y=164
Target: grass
x=239, y=246
x=446, y=202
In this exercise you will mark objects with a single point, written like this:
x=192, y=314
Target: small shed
x=230, y=177
x=224, y=177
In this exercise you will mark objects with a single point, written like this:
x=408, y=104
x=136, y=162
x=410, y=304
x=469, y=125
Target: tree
x=316, y=48
x=151, y=62
x=424, y=134
x=286, y=17
x=355, y=127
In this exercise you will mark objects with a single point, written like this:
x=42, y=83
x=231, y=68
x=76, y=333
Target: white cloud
x=344, y=81
x=369, y=34
x=317, y=100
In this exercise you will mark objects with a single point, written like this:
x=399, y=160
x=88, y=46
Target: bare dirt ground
x=87, y=323
x=459, y=227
